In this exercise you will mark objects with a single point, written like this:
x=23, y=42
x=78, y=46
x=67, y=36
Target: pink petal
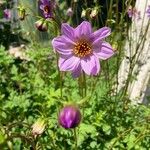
x=63, y=45
x=42, y=7
x=67, y=30
x=100, y=34
x=68, y=64
x=90, y=65
x=77, y=71
x=96, y=69
x=83, y=30
x=104, y=51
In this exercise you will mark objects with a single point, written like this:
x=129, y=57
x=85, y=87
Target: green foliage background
x=30, y=89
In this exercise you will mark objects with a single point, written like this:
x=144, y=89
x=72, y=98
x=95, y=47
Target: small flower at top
x=69, y=116
x=7, y=14
x=69, y=12
x=47, y=7
x=80, y=48
x=148, y=11
x=134, y=13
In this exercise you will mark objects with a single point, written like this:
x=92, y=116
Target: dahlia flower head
x=80, y=48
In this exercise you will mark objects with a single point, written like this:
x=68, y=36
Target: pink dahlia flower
x=80, y=48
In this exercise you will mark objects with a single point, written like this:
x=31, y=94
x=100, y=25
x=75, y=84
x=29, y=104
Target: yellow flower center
x=82, y=49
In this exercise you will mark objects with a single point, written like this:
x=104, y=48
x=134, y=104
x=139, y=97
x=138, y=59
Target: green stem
x=75, y=137
x=84, y=82
x=82, y=85
x=61, y=84
x=60, y=74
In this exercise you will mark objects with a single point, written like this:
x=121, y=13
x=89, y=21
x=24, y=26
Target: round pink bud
x=7, y=14
x=69, y=12
x=69, y=116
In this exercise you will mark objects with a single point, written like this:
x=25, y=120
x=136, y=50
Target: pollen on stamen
x=82, y=49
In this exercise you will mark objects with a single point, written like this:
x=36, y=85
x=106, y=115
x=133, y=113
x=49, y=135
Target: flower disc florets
x=82, y=49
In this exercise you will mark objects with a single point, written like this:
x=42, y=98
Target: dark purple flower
x=41, y=25
x=47, y=7
x=148, y=11
x=80, y=49
x=7, y=13
x=69, y=117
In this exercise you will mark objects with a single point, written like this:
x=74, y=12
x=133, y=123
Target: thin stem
x=23, y=138
x=84, y=82
x=93, y=86
x=80, y=86
x=60, y=74
x=61, y=84
x=109, y=15
x=134, y=59
x=119, y=136
x=75, y=137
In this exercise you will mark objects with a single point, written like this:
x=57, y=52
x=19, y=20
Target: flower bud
x=7, y=14
x=41, y=25
x=69, y=12
x=38, y=127
x=83, y=14
x=69, y=116
x=21, y=13
x=94, y=13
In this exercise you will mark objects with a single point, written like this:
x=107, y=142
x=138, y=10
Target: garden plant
x=59, y=75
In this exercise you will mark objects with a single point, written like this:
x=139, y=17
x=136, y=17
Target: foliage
x=30, y=89
x=34, y=89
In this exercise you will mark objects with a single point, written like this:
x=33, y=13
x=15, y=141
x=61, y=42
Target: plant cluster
x=44, y=107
